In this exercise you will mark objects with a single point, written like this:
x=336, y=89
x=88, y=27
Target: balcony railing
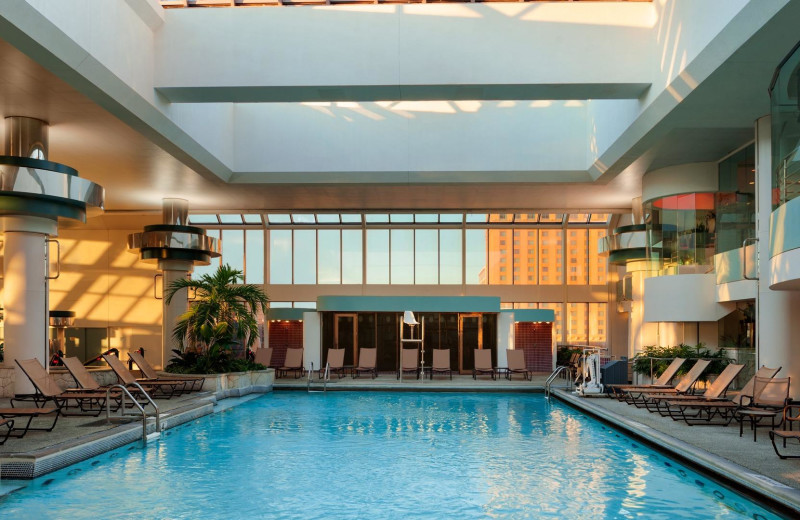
x=170, y=4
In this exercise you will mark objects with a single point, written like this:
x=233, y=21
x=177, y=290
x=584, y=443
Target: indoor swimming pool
x=384, y=455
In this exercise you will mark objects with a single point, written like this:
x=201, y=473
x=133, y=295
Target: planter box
x=235, y=384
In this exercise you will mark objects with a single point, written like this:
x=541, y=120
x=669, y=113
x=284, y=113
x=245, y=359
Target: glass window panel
x=280, y=256
x=577, y=323
x=527, y=218
x=500, y=257
x=280, y=305
x=233, y=248
x=377, y=256
x=526, y=305
x=203, y=219
x=402, y=256
x=304, y=305
x=329, y=255
x=550, y=257
x=426, y=218
x=525, y=257
x=558, y=326
x=506, y=305
x=252, y=218
x=426, y=256
x=254, y=251
x=451, y=218
x=577, y=256
x=305, y=256
x=351, y=218
x=352, y=258
x=598, y=218
x=477, y=218
x=598, y=265
x=449, y=256
x=377, y=218
x=580, y=218
x=230, y=219
x=551, y=217
x=279, y=218
x=403, y=218
x=501, y=217
x=328, y=218
x=200, y=270
x=598, y=323
x=476, y=256
x=303, y=218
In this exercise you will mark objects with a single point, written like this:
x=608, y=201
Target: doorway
x=470, y=337
x=345, y=335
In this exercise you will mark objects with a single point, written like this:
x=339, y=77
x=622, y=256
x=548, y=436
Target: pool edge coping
x=785, y=498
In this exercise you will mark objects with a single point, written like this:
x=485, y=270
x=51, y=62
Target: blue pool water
x=383, y=455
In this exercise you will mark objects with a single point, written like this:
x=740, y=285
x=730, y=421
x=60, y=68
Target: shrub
x=641, y=362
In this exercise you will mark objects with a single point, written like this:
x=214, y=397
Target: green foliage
x=641, y=362
x=564, y=354
x=223, y=313
x=216, y=360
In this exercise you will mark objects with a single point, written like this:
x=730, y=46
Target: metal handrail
x=325, y=378
x=125, y=392
x=561, y=369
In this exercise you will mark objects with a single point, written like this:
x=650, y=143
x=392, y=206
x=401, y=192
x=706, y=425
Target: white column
x=25, y=293
x=172, y=270
x=312, y=339
x=776, y=311
x=505, y=337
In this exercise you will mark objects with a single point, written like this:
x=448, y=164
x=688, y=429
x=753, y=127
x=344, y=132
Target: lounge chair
x=791, y=415
x=483, y=363
x=292, y=363
x=335, y=362
x=409, y=362
x=516, y=364
x=47, y=390
x=662, y=381
x=191, y=383
x=703, y=411
x=716, y=390
x=640, y=397
x=441, y=362
x=770, y=397
x=165, y=389
x=367, y=361
x=8, y=416
x=264, y=356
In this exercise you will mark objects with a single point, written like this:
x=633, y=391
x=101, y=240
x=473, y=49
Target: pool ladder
x=310, y=382
x=138, y=405
x=561, y=372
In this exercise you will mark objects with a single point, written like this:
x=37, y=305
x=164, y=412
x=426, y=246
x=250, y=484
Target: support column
x=173, y=270
x=25, y=293
x=776, y=311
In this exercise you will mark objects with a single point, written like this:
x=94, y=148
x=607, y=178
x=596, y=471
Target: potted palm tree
x=222, y=315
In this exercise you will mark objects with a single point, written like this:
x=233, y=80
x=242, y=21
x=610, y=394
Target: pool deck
x=741, y=462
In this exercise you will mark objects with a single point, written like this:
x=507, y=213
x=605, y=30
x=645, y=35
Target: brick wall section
x=284, y=335
x=536, y=340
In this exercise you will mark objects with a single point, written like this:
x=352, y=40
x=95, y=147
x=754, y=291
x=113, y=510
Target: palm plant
x=224, y=311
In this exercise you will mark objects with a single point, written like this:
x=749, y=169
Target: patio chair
x=483, y=363
x=292, y=363
x=47, y=390
x=516, y=364
x=641, y=396
x=264, y=356
x=165, y=389
x=441, y=362
x=662, y=381
x=409, y=361
x=8, y=416
x=191, y=383
x=716, y=390
x=335, y=362
x=770, y=397
x=791, y=416
x=367, y=362
x=703, y=411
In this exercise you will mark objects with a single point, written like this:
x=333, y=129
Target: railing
x=325, y=379
x=561, y=372
x=170, y=4
x=135, y=403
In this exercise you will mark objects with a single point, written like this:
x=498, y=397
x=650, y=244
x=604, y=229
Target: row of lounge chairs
x=89, y=397
x=764, y=398
x=409, y=363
